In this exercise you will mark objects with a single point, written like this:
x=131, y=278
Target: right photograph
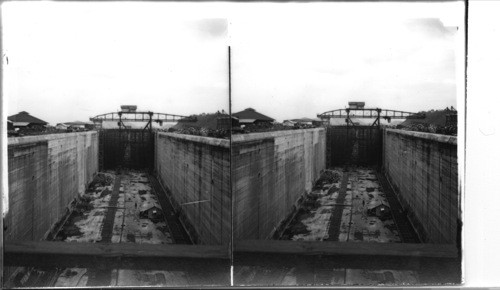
x=347, y=144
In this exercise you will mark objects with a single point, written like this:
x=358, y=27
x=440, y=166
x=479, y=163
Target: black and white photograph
x=345, y=162
x=249, y=144
x=118, y=146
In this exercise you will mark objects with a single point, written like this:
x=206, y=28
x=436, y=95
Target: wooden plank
x=343, y=248
x=122, y=250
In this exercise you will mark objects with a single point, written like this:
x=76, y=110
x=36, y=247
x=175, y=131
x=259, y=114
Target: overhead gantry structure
x=134, y=116
x=368, y=113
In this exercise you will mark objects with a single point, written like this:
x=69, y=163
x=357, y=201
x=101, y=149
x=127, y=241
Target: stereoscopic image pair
x=156, y=144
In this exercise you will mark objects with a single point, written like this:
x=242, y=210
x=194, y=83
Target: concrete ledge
x=429, y=136
x=240, y=138
x=346, y=248
x=122, y=250
x=41, y=138
x=198, y=139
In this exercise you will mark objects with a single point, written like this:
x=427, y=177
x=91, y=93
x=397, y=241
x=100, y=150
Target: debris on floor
x=365, y=214
x=138, y=219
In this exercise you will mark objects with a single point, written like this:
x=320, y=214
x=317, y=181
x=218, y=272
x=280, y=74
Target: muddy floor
x=348, y=201
x=137, y=218
x=357, y=207
x=132, y=224
x=134, y=197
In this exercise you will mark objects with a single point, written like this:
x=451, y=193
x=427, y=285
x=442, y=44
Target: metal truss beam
x=141, y=117
x=369, y=113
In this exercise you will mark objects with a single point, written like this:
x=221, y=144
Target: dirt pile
x=205, y=132
x=206, y=125
x=268, y=127
x=437, y=122
x=100, y=180
x=327, y=177
x=325, y=185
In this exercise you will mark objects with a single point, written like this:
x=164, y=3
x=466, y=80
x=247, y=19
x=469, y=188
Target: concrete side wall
x=196, y=172
x=271, y=171
x=423, y=169
x=45, y=174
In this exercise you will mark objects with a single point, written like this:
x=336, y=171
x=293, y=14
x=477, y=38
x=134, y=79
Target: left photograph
x=118, y=146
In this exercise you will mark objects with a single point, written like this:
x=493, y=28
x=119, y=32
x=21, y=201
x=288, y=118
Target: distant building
x=289, y=123
x=75, y=126
x=308, y=121
x=10, y=125
x=61, y=126
x=79, y=125
x=128, y=108
x=250, y=116
x=25, y=120
x=356, y=105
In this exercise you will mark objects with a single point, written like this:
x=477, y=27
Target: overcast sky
x=71, y=61
x=307, y=60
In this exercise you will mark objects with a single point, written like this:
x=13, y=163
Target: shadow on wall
x=46, y=173
x=196, y=172
x=271, y=171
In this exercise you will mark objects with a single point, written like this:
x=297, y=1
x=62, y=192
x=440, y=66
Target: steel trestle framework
x=125, y=139
x=368, y=113
x=148, y=117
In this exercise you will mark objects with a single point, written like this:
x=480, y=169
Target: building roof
x=25, y=117
x=250, y=113
x=129, y=108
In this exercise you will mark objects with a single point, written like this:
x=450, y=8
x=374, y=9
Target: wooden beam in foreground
x=127, y=250
x=107, y=255
x=347, y=248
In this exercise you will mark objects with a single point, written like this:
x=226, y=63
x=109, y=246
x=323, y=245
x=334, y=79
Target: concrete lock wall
x=270, y=172
x=423, y=169
x=196, y=172
x=45, y=173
